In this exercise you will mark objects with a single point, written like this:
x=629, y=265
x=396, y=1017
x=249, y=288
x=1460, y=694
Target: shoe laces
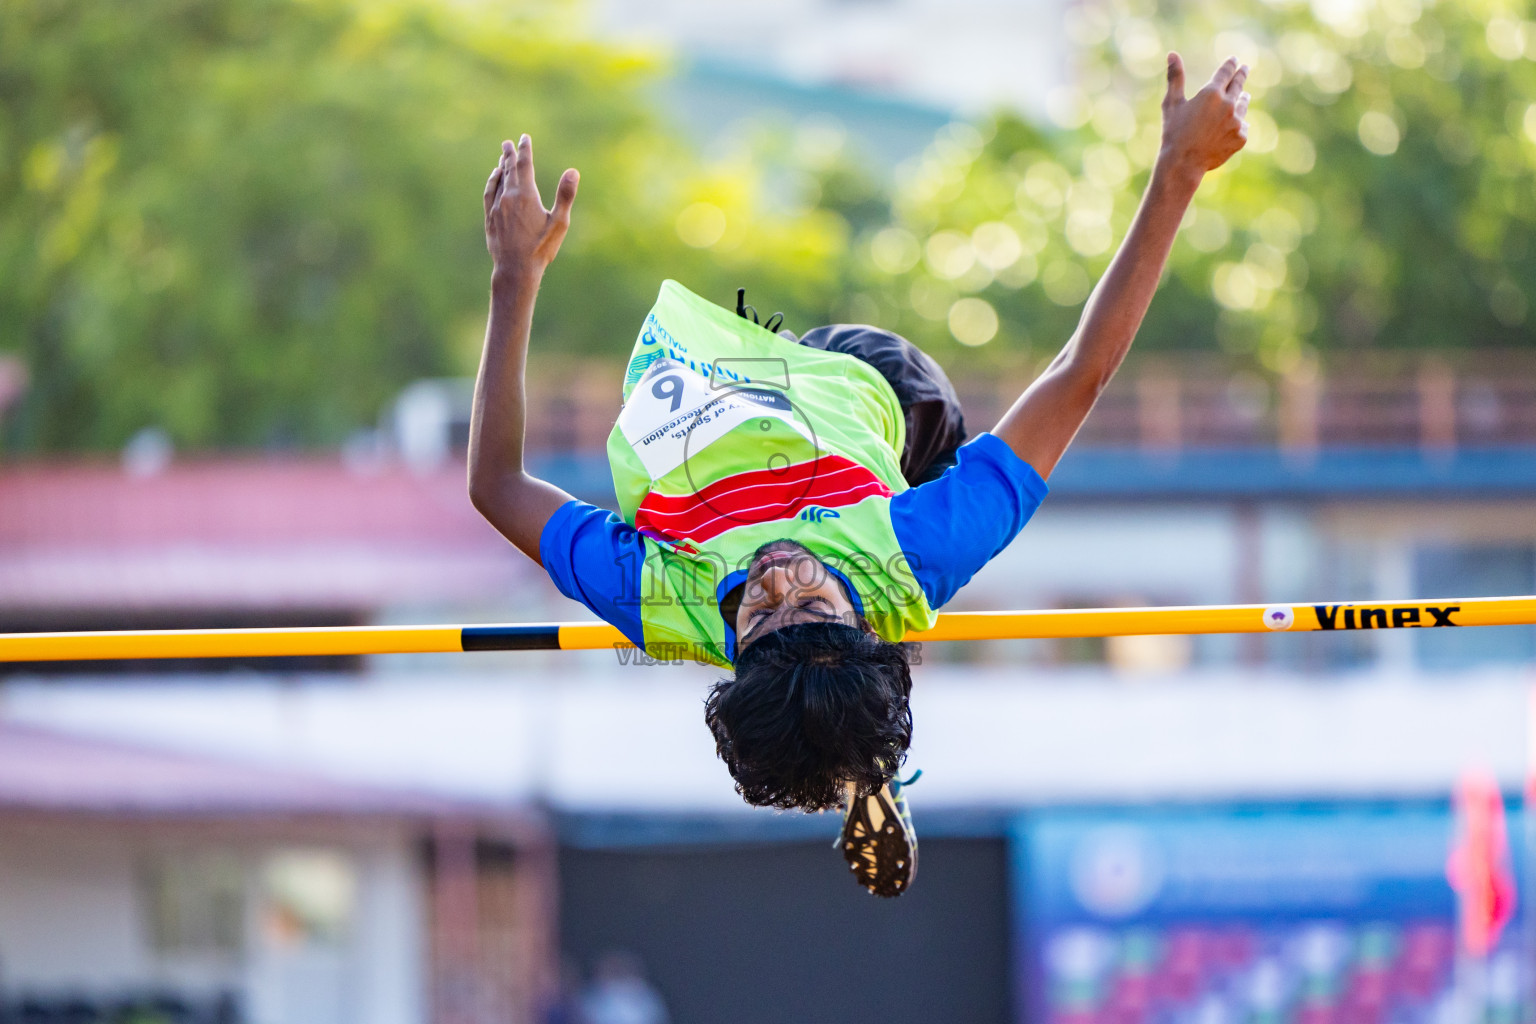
x=774, y=322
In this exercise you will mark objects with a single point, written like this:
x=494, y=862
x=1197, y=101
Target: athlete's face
x=787, y=584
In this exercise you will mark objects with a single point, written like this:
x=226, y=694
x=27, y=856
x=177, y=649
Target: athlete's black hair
x=813, y=706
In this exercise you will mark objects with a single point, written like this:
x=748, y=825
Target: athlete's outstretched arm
x=523, y=238
x=1199, y=134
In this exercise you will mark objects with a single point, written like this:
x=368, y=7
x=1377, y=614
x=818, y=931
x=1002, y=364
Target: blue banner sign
x=1254, y=915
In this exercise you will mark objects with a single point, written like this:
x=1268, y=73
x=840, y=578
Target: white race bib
x=673, y=412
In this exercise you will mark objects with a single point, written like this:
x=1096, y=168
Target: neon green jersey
x=732, y=437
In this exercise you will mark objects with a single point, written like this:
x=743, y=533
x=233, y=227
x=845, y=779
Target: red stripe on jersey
x=758, y=487
x=757, y=496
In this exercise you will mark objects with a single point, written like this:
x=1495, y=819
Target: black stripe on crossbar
x=510, y=638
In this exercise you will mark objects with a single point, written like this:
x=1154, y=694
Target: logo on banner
x=1116, y=871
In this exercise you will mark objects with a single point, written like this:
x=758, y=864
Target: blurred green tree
x=250, y=222
x=1386, y=200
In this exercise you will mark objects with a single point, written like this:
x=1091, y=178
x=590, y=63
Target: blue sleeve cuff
x=595, y=557
x=995, y=451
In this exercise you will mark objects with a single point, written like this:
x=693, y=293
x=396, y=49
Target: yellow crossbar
x=571, y=636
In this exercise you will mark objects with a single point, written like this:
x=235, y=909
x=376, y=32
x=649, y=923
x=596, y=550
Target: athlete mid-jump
x=793, y=507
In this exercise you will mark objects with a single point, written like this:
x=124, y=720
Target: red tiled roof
x=235, y=502
x=254, y=533
x=41, y=770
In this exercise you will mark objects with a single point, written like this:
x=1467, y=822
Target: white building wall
x=391, y=937
x=1179, y=554
x=73, y=920
x=993, y=735
x=68, y=915
x=1218, y=735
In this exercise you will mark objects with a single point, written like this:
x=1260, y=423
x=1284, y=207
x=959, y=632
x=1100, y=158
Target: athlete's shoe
x=878, y=840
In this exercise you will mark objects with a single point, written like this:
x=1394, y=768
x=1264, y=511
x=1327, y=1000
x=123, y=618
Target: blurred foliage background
x=1385, y=199
x=252, y=222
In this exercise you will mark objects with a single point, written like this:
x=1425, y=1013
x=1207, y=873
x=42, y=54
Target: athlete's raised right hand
x=521, y=235
x=1202, y=132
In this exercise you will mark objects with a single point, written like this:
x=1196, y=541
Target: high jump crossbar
x=577, y=636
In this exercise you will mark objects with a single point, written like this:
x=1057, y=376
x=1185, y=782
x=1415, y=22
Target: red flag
x=1479, y=866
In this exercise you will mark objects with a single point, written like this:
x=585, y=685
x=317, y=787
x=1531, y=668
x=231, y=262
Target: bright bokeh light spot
x=997, y=245
x=1033, y=235
x=895, y=251
x=1404, y=12
x=1140, y=47
x=1263, y=133
x=1267, y=265
x=1294, y=152
x=932, y=180
x=1530, y=122
x=1020, y=273
x=1349, y=18
x=973, y=321
x=1106, y=166
x=1379, y=133
x=978, y=277
x=949, y=254
x=1113, y=119
x=701, y=225
x=1068, y=107
x=1142, y=149
x=961, y=139
x=1405, y=49
x=1233, y=286
x=1148, y=655
x=1506, y=38
x=1279, y=228
x=819, y=140
x=1088, y=233
x=1065, y=283
x=1330, y=72
x=1297, y=50
x=1087, y=24
x=1232, y=42
x=1045, y=185
x=1206, y=230
x=1086, y=198
x=43, y=166
x=1265, y=70
x=310, y=896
